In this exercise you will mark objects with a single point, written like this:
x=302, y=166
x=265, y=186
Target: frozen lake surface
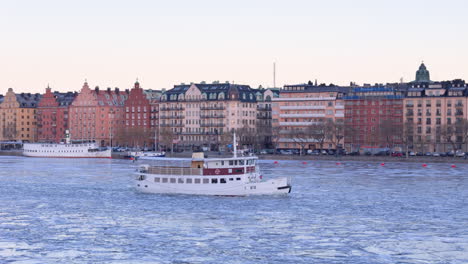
x=86, y=211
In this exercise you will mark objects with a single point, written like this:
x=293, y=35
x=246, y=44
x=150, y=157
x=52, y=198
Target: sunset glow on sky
x=162, y=43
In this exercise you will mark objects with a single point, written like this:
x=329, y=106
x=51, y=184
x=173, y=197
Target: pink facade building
x=98, y=115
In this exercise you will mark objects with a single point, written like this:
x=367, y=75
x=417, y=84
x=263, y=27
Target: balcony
x=212, y=125
x=213, y=116
x=172, y=108
x=212, y=108
x=171, y=117
x=259, y=116
x=171, y=125
x=303, y=107
x=301, y=115
x=263, y=108
x=298, y=123
x=409, y=105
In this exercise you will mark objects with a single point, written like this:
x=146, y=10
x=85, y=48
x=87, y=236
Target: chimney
x=117, y=90
x=96, y=89
x=108, y=89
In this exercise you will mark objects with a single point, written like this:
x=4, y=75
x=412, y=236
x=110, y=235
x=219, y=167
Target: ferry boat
x=65, y=150
x=234, y=176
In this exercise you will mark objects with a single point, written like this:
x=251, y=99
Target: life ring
x=217, y=171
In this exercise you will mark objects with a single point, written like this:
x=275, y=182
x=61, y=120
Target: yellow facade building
x=18, y=117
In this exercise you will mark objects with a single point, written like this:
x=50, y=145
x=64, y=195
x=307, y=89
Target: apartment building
x=98, y=115
x=203, y=115
x=301, y=114
x=373, y=118
x=52, y=115
x=18, y=117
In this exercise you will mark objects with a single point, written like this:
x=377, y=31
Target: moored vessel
x=66, y=150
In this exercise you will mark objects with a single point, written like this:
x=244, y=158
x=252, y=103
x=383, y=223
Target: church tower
x=422, y=75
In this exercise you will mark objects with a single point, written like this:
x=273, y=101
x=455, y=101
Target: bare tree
x=335, y=132
x=463, y=132
x=318, y=133
x=245, y=136
x=448, y=133
x=226, y=138
x=406, y=134
x=167, y=137
x=300, y=137
x=276, y=136
x=351, y=135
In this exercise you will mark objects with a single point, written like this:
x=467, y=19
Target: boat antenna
x=235, y=145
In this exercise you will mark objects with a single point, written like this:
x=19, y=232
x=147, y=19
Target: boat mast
x=235, y=145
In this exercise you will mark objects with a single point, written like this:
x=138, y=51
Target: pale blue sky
x=168, y=42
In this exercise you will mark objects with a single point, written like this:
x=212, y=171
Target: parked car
x=342, y=152
x=412, y=153
x=460, y=153
x=314, y=152
x=450, y=154
x=435, y=154
x=397, y=154
x=442, y=154
x=286, y=152
x=324, y=152
x=354, y=153
x=331, y=152
x=382, y=153
x=428, y=154
x=419, y=153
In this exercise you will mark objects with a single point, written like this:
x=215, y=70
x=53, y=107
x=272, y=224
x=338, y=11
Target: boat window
x=235, y=162
x=241, y=162
x=231, y=162
x=239, y=170
x=164, y=180
x=173, y=180
x=214, y=180
x=180, y=180
x=197, y=181
x=229, y=170
x=188, y=180
x=156, y=179
x=222, y=162
x=231, y=179
x=222, y=180
x=237, y=179
x=206, y=181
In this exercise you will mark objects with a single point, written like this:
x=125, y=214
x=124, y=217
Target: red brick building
x=97, y=115
x=138, y=130
x=373, y=118
x=52, y=115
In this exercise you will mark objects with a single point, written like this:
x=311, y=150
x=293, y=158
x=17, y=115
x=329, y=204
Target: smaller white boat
x=148, y=155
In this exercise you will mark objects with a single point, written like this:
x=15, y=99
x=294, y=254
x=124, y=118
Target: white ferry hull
x=278, y=186
x=40, y=150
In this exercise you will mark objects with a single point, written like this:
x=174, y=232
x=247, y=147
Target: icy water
x=85, y=211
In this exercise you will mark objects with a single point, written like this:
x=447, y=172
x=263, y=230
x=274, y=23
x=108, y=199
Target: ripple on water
x=85, y=211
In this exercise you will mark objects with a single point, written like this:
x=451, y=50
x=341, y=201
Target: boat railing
x=173, y=170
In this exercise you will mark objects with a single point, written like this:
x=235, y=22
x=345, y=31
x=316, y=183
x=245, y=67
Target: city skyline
x=163, y=44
